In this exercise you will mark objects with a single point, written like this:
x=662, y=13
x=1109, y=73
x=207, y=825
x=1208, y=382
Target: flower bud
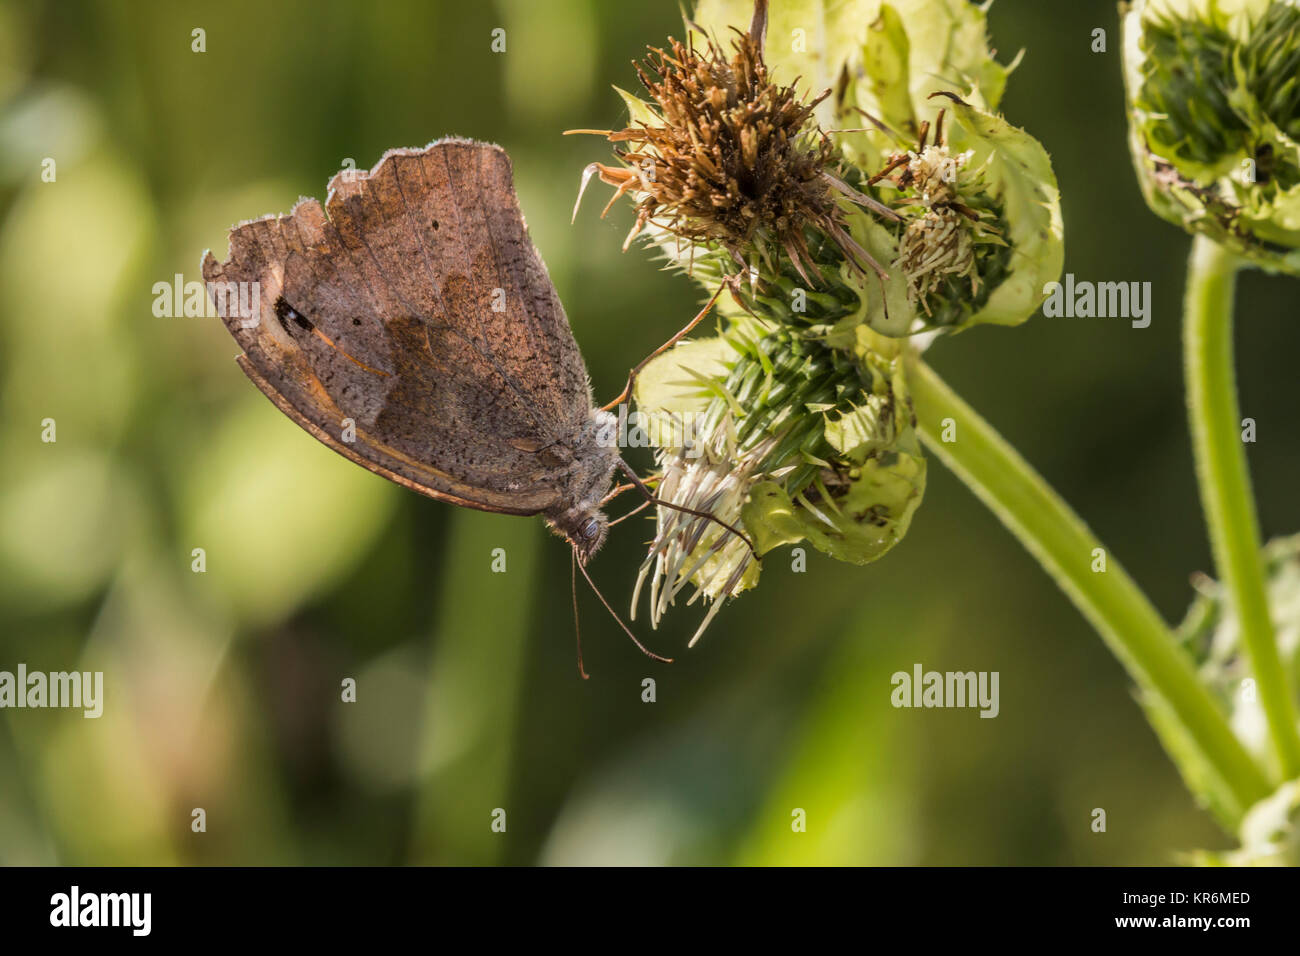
x=1212, y=636
x=1214, y=120
x=790, y=439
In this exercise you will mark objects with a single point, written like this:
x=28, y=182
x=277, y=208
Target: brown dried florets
x=732, y=157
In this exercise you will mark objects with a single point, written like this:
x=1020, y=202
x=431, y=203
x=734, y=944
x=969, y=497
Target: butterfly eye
x=590, y=529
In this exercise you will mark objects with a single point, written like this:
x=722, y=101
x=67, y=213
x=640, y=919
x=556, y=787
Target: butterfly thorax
x=578, y=517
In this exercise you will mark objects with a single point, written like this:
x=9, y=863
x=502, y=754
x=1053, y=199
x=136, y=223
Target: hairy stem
x=1224, y=480
x=1112, y=603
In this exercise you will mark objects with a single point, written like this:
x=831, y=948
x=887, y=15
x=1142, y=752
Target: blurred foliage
x=223, y=688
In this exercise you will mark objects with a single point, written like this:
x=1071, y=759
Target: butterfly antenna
x=614, y=614
x=672, y=506
x=577, y=628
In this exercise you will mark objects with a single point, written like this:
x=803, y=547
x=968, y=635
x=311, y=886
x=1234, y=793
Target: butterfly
x=410, y=324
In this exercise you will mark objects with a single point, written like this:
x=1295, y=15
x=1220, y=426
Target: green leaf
x=884, y=90
x=859, y=432
x=1020, y=175
x=948, y=40
x=670, y=382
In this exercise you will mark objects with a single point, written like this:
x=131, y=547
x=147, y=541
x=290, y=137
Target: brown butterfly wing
x=415, y=305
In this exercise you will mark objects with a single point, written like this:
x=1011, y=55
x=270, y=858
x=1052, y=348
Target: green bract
x=1214, y=120
x=770, y=428
x=1211, y=631
x=1212, y=636
x=1269, y=833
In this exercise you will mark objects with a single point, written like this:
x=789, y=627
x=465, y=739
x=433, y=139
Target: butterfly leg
x=614, y=493
x=631, y=378
x=651, y=498
x=637, y=510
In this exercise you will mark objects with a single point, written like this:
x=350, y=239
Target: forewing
x=418, y=310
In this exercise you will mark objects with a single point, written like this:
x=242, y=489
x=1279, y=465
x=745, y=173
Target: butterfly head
x=584, y=529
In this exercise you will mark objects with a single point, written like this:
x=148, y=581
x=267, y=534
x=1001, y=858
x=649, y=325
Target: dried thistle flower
x=934, y=247
x=726, y=156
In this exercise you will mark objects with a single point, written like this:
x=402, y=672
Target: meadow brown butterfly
x=410, y=325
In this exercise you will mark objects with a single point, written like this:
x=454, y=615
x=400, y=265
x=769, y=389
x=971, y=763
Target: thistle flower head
x=933, y=172
x=732, y=156
x=804, y=429
x=1214, y=120
x=725, y=156
x=715, y=477
x=946, y=238
x=897, y=69
x=933, y=248
x=794, y=440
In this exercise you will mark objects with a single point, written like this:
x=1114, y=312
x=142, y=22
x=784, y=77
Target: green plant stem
x=1224, y=479
x=1064, y=546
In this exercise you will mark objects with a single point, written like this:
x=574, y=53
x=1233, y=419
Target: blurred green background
x=222, y=688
